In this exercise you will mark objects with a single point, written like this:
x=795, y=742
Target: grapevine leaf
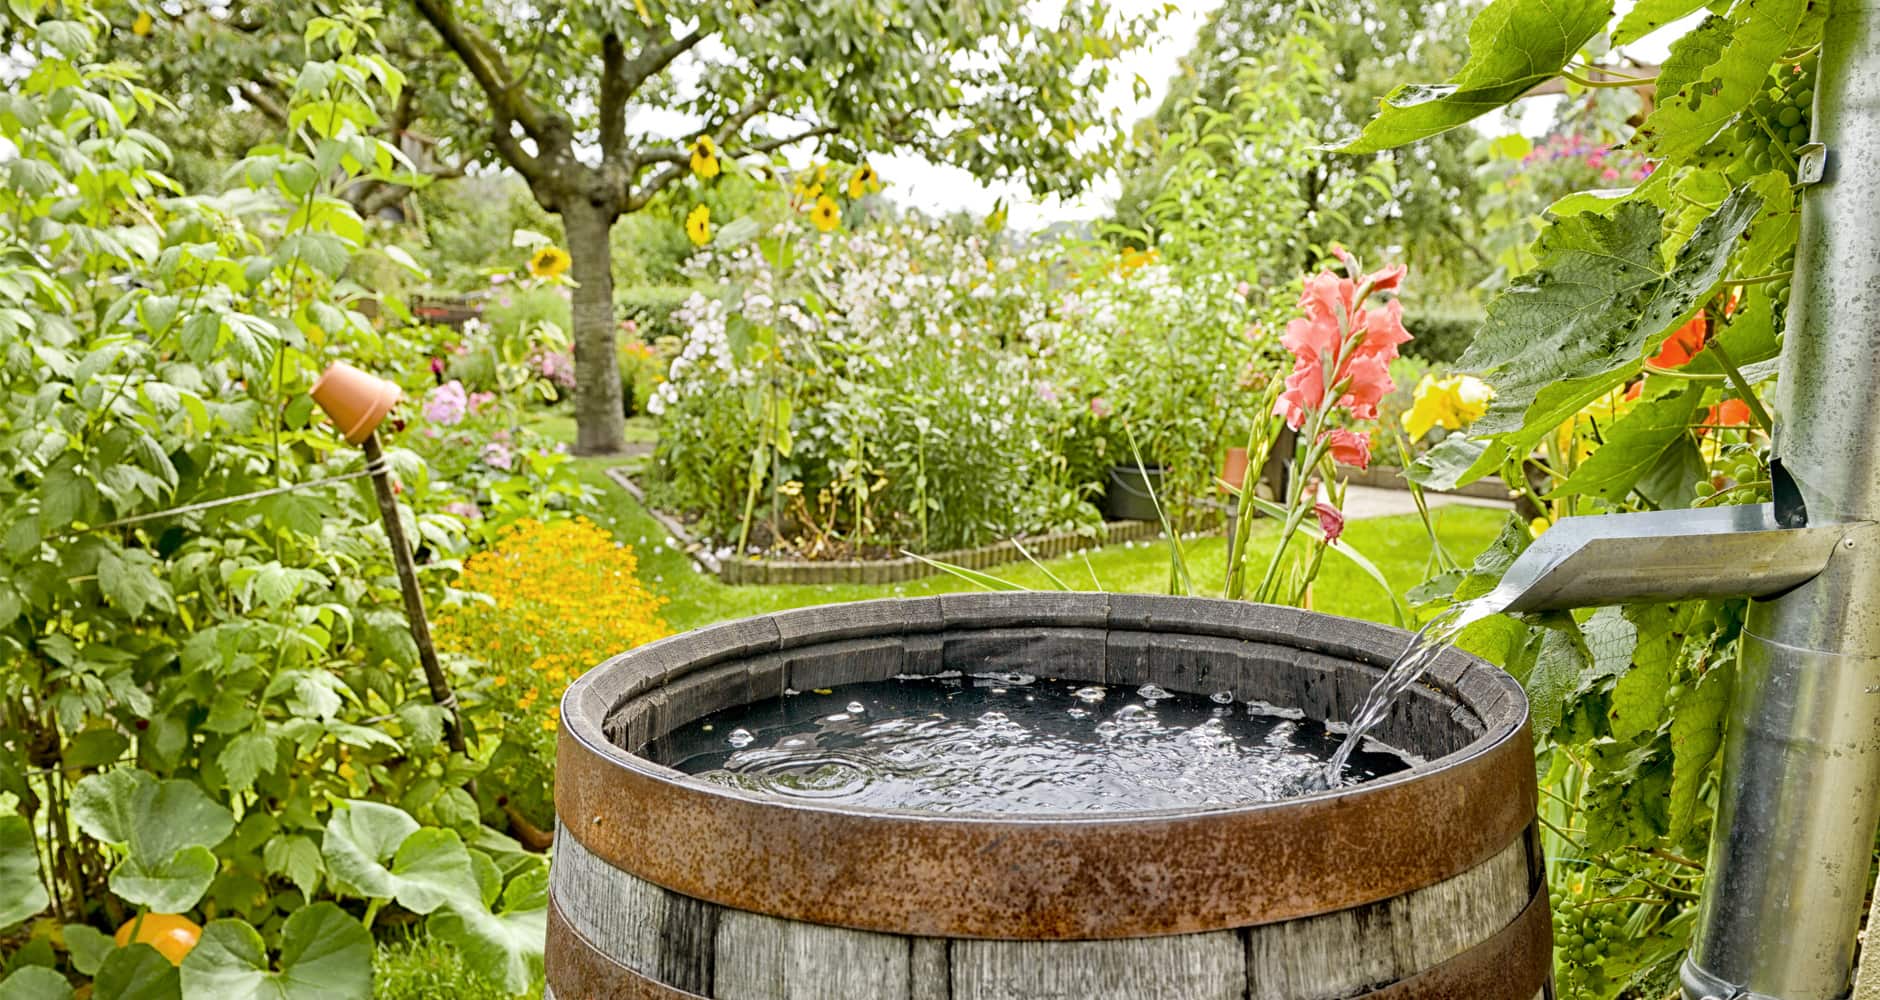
x=1628, y=801
x=21, y=894
x=1456, y=460
x=1693, y=52
x=1650, y=15
x=1672, y=482
x=1583, y=323
x=1514, y=46
x=325, y=955
x=1638, y=702
x=1690, y=115
x=1696, y=735
x=1611, y=639
x=1558, y=664
x=1750, y=338
x=35, y=982
x=1633, y=445
x=138, y=972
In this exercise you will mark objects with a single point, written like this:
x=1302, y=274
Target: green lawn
x=1397, y=545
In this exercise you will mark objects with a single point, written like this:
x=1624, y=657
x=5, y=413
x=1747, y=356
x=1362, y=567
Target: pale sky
x=916, y=182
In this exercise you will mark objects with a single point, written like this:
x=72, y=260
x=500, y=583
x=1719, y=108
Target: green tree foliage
x=564, y=100
x=1336, y=60
x=1609, y=397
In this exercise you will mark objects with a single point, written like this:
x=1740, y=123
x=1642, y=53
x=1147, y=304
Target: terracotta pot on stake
x=357, y=402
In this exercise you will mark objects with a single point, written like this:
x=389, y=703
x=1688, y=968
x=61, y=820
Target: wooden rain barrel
x=1423, y=884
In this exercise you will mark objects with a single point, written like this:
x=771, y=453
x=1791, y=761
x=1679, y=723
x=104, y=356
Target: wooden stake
x=414, y=598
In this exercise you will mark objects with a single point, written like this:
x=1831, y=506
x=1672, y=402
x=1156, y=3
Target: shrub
x=1441, y=337
x=553, y=599
x=651, y=309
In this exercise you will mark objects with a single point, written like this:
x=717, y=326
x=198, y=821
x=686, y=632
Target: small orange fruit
x=171, y=934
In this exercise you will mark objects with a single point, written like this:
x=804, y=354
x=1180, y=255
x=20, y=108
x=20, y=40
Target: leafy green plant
x=198, y=696
x=1626, y=362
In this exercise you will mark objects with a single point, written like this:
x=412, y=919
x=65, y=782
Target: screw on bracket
x=1813, y=165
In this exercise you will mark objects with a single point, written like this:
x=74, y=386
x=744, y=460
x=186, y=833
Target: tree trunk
x=600, y=426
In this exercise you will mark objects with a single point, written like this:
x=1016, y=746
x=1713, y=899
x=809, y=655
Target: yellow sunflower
x=705, y=157
x=549, y=262
x=825, y=215
x=698, y=225
x=863, y=181
x=143, y=24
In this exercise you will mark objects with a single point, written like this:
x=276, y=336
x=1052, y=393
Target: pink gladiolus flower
x=1351, y=448
x=1331, y=521
x=1337, y=333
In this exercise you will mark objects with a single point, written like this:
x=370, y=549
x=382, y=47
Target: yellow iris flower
x=1452, y=403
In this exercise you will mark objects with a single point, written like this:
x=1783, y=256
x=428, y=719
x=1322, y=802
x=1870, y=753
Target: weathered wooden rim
x=1511, y=964
x=1045, y=877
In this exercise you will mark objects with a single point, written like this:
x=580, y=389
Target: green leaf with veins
x=1696, y=736
x=34, y=982
x=325, y=955
x=1691, y=112
x=1559, y=662
x=170, y=885
x=1633, y=445
x=503, y=945
x=138, y=972
x=379, y=852
x=1650, y=15
x=1514, y=46
x=1583, y=323
x=165, y=829
x=21, y=893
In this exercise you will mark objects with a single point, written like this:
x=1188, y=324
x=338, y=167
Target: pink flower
x=1243, y=290
x=478, y=400
x=1358, y=344
x=1047, y=392
x=498, y=278
x=497, y=455
x=1331, y=522
x=1609, y=174
x=1351, y=448
x=1099, y=407
x=446, y=404
x=437, y=366
x=630, y=327
x=467, y=511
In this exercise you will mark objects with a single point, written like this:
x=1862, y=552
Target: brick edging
x=739, y=571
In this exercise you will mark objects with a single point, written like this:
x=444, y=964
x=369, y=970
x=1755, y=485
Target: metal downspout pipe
x=1800, y=794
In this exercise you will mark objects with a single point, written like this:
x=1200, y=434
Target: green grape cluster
x=1776, y=125
x=1583, y=929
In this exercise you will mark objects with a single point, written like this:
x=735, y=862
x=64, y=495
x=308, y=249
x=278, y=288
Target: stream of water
x=1014, y=743
x=1424, y=647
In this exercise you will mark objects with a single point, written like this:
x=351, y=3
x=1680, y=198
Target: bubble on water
x=1221, y=711
x=838, y=717
x=1151, y=692
x=1222, y=697
x=1090, y=694
x=1134, y=714
x=740, y=738
x=856, y=708
x=1078, y=713
x=1004, y=679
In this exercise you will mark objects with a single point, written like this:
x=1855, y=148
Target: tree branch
x=615, y=89
x=679, y=161
x=508, y=103
x=263, y=101
x=653, y=59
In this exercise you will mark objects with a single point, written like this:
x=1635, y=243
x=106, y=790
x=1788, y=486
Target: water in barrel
x=1016, y=743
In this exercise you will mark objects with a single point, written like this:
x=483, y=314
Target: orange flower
x=1683, y=344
